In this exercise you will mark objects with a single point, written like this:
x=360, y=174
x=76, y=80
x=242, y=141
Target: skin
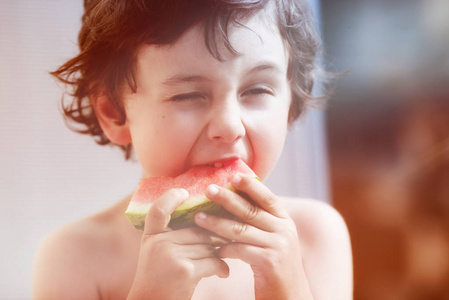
x=191, y=109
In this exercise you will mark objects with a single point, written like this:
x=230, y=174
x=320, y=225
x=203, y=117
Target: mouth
x=216, y=165
x=221, y=163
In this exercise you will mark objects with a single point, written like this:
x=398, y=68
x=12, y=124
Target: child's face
x=191, y=109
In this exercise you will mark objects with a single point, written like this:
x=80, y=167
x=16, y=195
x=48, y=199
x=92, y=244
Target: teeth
x=218, y=164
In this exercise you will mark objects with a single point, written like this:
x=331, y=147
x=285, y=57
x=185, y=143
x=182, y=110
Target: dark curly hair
x=113, y=30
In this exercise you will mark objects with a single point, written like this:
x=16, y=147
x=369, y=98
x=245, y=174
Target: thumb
x=158, y=216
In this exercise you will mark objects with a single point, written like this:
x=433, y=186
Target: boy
x=190, y=83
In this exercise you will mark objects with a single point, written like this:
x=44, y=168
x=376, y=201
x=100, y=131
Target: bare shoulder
x=63, y=262
x=325, y=245
x=315, y=217
x=70, y=259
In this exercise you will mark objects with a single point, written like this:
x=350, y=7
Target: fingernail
x=184, y=192
x=212, y=190
x=201, y=215
x=237, y=178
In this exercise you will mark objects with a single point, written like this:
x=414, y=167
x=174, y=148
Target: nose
x=226, y=123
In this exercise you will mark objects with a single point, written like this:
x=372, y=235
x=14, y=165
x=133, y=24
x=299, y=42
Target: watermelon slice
x=195, y=181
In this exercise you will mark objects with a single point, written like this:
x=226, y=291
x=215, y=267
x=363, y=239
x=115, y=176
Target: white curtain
x=49, y=175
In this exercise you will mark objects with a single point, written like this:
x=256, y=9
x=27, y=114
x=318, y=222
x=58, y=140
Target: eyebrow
x=266, y=66
x=177, y=79
x=180, y=78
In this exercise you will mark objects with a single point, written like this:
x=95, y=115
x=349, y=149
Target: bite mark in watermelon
x=195, y=181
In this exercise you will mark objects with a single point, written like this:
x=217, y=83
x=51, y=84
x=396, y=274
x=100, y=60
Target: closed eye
x=187, y=96
x=258, y=91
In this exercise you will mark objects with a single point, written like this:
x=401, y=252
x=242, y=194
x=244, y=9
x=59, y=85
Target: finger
x=233, y=229
x=247, y=253
x=158, y=216
x=260, y=194
x=207, y=267
x=197, y=235
x=197, y=251
x=245, y=210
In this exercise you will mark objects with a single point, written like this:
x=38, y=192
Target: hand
x=264, y=236
x=172, y=262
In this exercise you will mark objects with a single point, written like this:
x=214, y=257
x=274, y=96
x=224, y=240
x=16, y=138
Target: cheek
x=268, y=139
x=163, y=145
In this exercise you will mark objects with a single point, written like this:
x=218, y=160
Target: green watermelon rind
x=136, y=214
x=185, y=218
x=182, y=216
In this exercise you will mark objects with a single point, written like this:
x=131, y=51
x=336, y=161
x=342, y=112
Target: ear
x=109, y=117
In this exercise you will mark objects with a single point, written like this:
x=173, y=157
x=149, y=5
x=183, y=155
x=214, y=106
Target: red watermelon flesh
x=195, y=181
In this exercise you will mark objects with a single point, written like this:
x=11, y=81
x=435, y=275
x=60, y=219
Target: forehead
x=256, y=39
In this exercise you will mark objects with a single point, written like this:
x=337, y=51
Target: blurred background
x=379, y=153
x=387, y=128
